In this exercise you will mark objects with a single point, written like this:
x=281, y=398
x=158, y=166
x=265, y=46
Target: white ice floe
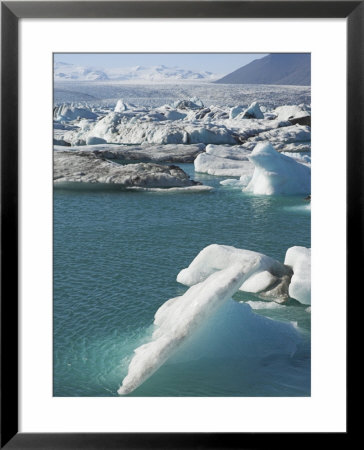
x=253, y=112
x=155, y=129
x=92, y=140
x=235, y=152
x=276, y=174
x=225, y=167
x=287, y=112
x=178, y=319
x=70, y=112
x=264, y=275
x=121, y=106
x=299, y=259
x=294, y=138
x=172, y=114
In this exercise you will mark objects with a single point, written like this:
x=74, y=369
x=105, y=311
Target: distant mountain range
x=71, y=72
x=276, y=68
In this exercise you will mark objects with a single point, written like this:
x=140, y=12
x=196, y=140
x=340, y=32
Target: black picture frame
x=11, y=12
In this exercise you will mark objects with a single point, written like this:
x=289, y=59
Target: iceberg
x=253, y=112
x=277, y=174
x=68, y=113
x=287, y=112
x=177, y=319
x=92, y=140
x=235, y=111
x=121, y=106
x=299, y=259
x=264, y=275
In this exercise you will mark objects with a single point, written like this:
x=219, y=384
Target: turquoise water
x=116, y=258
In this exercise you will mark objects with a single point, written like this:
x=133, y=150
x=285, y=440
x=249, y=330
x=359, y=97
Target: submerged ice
x=178, y=319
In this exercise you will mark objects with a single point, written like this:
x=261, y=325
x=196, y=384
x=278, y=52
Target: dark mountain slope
x=277, y=68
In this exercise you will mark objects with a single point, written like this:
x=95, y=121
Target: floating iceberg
x=299, y=259
x=276, y=174
x=177, y=319
x=264, y=275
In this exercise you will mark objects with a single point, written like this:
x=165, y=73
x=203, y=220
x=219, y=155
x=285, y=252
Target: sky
x=220, y=63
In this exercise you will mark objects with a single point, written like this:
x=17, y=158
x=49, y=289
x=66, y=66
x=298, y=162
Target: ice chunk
x=236, y=152
x=265, y=275
x=253, y=112
x=290, y=138
x=70, y=112
x=122, y=106
x=174, y=115
x=177, y=319
x=276, y=174
x=287, y=112
x=192, y=103
x=299, y=258
x=92, y=140
x=235, y=111
x=213, y=165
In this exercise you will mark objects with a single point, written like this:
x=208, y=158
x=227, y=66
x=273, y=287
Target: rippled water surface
x=116, y=258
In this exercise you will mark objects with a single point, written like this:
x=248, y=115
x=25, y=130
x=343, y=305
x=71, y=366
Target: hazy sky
x=222, y=63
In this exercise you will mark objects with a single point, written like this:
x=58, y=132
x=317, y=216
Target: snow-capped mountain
x=71, y=72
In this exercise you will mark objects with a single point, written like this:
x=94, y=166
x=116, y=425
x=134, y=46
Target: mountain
x=71, y=72
x=276, y=68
